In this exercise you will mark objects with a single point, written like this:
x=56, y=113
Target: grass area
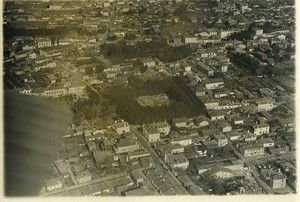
x=154, y=100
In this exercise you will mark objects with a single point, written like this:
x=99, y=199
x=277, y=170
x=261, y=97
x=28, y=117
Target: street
x=158, y=162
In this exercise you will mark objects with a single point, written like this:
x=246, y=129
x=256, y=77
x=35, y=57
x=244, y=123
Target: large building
x=264, y=105
x=121, y=127
x=252, y=149
x=260, y=129
x=177, y=161
x=151, y=133
x=213, y=83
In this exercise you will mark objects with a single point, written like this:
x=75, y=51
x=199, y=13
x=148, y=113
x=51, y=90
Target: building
x=278, y=181
x=43, y=42
x=54, y=91
x=234, y=136
x=224, y=127
x=233, y=165
x=126, y=146
x=83, y=176
x=121, y=127
x=274, y=178
x=190, y=39
x=177, y=161
x=151, y=133
x=200, y=91
x=76, y=88
x=211, y=103
x=221, y=139
x=184, y=140
x=201, y=121
x=217, y=115
x=213, y=83
x=266, y=142
x=218, y=172
x=252, y=149
x=260, y=129
x=53, y=184
x=107, y=145
x=264, y=105
x=205, y=69
x=163, y=127
x=180, y=122
x=148, y=62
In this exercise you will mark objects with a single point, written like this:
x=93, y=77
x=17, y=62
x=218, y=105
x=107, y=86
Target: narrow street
x=254, y=172
x=158, y=162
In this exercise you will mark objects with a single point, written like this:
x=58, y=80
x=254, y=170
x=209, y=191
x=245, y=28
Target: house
x=252, y=149
x=218, y=172
x=278, y=181
x=168, y=149
x=177, y=161
x=274, y=178
x=147, y=162
x=287, y=123
x=213, y=83
x=185, y=181
x=224, y=127
x=209, y=144
x=121, y=127
x=200, y=149
x=278, y=150
x=200, y=91
x=43, y=42
x=233, y=135
x=51, y=78
x=148, y=62
x=234, y=165
x=151, y=133
x=249, y=137
x=264, y=105
x=221, y=139
x=180, y=122
x=53, y=184
x=201, y=121
x=137, y=177
x=63, y=167
x=266, y=142
x=211, y=103
x=184, y=140
x=138, y=154
x=21, y=55
x=190, y=39
x=126, y=146
x=83, y=176
x=205, y=69
x=76, y=88
x=216, y=115
x=107, y=145
x=260, y=129
x=91, y=146
x=238, y=120
x=163, y=127
x=54, y=91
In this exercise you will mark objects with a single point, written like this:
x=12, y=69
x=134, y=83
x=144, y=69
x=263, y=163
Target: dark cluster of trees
x=251, y=65
x=183, y=101
x=89, y=109
x=158, y=48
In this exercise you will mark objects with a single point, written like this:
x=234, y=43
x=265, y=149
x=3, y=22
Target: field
x=154, y=100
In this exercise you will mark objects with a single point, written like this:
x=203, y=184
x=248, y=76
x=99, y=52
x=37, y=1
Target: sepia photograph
x=130, y=98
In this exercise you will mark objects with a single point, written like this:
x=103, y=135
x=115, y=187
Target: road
x=254, y=172
x=158, y=162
